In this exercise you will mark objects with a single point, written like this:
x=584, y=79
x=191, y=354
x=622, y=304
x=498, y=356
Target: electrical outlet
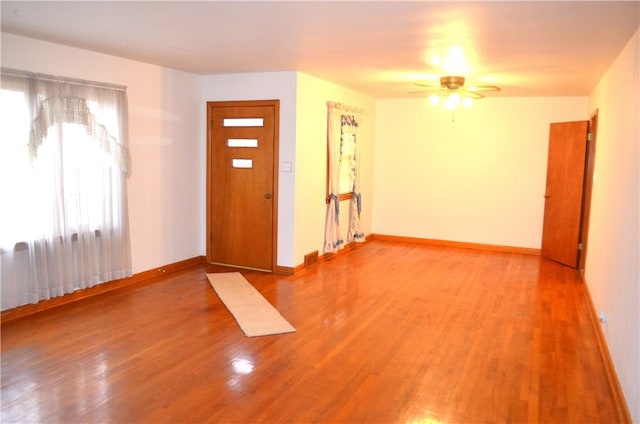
x=604, y=320
x=286, y=166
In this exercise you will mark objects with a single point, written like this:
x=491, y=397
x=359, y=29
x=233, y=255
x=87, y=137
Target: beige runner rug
x=254, y=314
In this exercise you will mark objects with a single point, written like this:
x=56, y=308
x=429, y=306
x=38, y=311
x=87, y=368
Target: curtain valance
x=55, y=100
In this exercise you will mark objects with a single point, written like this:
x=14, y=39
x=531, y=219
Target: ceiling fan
x=453, y=90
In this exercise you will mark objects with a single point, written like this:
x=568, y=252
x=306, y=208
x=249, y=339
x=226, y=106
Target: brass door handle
x=267, y=195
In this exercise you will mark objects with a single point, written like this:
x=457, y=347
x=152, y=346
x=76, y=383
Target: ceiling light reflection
x=425, y=420
x=454, y=62
x=454, y=59
x=242, y=365
x=395, y=76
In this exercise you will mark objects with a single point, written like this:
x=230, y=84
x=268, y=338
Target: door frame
x=275, y=103
x=589, y=171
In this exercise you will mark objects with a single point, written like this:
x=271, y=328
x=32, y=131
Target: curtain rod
x=54, y=78
x=346, y=108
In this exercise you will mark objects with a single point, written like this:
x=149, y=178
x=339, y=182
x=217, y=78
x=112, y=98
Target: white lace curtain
x=63, y=168
x=343, y=124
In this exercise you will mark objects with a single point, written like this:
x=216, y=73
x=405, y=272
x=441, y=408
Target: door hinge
x=590, y=136
x=580, y=246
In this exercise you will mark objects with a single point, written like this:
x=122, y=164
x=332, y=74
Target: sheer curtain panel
x=63, y=169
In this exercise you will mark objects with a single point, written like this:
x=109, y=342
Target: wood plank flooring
x=387, y=333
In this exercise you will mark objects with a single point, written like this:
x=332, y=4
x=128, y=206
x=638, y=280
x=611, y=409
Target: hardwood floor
x=389, y=332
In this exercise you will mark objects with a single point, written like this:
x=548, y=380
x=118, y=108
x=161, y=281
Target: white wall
x=262, y=86
x=612, y=272
x=165, y=186
x=311, y=161
x=478, y=179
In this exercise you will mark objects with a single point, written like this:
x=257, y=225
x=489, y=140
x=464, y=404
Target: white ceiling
x=536, y=48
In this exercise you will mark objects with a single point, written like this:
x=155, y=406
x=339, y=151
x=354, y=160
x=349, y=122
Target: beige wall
x=311, y=161
x=479, y=179
x=612, y=272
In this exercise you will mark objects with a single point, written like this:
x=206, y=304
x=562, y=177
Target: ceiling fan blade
x=483, y=88
x=470, y=94
x=428, y=86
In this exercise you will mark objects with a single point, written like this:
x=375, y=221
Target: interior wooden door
x=564, y=192
x=242, y=183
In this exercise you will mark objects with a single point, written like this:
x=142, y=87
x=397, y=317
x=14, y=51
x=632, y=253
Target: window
x=347, y=177
x=347, y=158
x=63, y=167
x=67, y=172
x=14, y=166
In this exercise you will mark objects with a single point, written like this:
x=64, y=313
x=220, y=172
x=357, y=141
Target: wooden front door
x=242, y=141
x=564, y=192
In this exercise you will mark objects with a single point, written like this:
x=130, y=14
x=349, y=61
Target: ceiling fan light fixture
x=453, y=100
x=451, y=82
x=452, y=92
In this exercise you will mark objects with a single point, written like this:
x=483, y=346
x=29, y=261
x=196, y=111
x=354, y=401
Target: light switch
x=287, y=166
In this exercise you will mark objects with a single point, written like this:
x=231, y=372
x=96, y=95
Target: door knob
x=267, y=195
x=546, y=196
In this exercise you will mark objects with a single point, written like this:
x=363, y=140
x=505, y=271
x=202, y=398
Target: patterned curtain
x=343, y=130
